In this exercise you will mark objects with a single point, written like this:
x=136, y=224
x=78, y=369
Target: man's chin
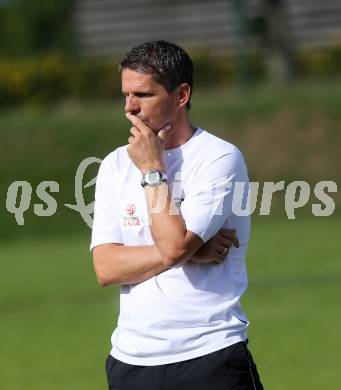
x=153, y=127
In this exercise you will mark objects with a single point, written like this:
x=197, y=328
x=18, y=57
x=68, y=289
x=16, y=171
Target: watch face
x=152, y=177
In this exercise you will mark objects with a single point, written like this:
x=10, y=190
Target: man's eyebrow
x=148, y=93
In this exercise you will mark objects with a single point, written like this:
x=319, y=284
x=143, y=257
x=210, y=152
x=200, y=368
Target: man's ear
x=184, y=94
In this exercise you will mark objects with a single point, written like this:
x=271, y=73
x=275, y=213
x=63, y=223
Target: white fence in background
x=108, y=26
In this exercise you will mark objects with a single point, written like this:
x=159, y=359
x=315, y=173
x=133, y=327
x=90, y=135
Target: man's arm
x=175, y=243
x=118, y=264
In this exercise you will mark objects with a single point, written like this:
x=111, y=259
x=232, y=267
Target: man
x=164, y=230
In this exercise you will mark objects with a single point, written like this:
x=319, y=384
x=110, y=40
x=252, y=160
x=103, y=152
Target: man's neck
x=179, y=134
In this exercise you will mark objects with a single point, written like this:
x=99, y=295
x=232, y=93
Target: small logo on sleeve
x=130, y=219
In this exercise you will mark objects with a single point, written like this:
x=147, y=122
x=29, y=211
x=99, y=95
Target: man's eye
x=139, y=95
x=143, y=95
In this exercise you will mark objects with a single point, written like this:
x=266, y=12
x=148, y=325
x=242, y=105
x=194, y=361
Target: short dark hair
x=169, y=64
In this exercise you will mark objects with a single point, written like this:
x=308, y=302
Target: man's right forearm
x=118, y=264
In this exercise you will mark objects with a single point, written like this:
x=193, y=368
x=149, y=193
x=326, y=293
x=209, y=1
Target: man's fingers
x=227, y=231
x=219, y=256
x=138, y=123
x=131, y=139
x=162, y=133
x=235, y=241
x=231, y=235
x=223, y=249
x=134, y=131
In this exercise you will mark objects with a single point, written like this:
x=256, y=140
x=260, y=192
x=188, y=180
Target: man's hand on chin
x=145, y=148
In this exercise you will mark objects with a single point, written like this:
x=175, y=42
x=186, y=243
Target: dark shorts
x=231, y=368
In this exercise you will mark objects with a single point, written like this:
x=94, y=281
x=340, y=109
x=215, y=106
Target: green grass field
x=56, y=322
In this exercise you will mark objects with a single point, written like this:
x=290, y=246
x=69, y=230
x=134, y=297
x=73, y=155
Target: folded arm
x=118, y=264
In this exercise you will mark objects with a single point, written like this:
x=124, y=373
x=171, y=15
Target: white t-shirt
x=194, y=309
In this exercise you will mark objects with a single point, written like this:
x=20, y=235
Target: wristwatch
x=153, y=178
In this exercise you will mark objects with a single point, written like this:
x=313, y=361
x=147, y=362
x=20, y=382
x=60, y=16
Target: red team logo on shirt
x=130, y=219
x=130, y=208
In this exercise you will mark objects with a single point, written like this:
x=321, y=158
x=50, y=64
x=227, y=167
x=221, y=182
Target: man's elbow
x=101, y=276
x=174, y=256
x=178, y=252
x=101, y=270
x=102, y=281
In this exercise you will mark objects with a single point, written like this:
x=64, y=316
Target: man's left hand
x=217, y=248
x=145, y=148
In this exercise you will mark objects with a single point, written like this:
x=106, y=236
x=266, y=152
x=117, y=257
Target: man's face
x=148, y=99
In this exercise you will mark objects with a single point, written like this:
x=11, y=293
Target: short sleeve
x=209, y=202
x=106, y=226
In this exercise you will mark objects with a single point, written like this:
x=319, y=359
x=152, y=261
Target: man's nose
x=131, y=105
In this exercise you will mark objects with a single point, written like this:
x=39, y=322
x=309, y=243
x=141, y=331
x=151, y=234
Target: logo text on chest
x=130, y=219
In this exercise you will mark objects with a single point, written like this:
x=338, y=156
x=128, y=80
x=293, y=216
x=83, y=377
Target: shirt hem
x=176, y=358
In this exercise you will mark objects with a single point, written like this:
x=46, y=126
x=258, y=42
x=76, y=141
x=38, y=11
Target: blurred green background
x=61, y=104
